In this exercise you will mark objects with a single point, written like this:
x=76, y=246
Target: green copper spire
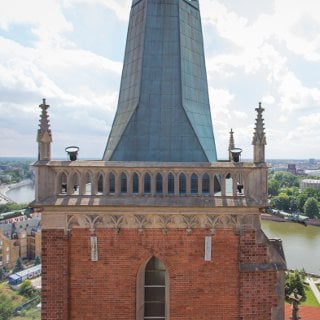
x=163, y=110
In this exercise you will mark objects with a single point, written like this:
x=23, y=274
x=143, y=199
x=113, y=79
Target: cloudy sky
x=71, y=51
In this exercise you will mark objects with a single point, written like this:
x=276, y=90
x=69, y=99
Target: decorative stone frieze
x=236, y=222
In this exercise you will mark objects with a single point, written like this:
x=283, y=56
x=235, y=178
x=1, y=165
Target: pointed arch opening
x=205, y=184
x=159, y=183
x=135, y=183
x=152, y=291
x=112, y=183
x=194, y=183
x=123, y=183
x=182, y=183
x=147, y=183
x=100, y=183
x=170, y=183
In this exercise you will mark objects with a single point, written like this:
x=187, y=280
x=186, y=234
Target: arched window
x=100, y=183
x=112, y=183
x=155, y=290
x=205, y=184
x=170, y=183
x=159, y=183
x=123, y=183
x=75, y=183
x=135, y=183
x=229, y=185
x=88, y=182
x=182, y=184
x=63, y=183
x=147, y=183
x=194, y=183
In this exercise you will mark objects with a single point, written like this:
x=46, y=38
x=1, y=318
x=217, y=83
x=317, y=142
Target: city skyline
x=71, y=51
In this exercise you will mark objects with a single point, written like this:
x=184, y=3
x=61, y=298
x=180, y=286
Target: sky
x=71, y=52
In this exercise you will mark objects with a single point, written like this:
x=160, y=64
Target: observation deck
x=161, y=184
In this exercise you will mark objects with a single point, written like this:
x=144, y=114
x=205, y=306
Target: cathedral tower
x=159, y=229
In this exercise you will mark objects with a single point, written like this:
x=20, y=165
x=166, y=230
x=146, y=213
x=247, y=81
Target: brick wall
x=257, y=280
x=54, y=275
x=199, y=290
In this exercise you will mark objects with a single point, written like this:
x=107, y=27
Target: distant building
x=19, y=239
x=310, y=183
x=292, y=168
x=9, y=252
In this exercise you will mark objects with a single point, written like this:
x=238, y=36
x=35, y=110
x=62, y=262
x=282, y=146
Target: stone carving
x=164, y=222
x=190, y=222
x=223, y=221
x=116, y=221
x=84, y=221
x=141, y=221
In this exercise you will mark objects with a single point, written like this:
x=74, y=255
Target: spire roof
x=163, y=111
x=259, y=136
x=44, y=131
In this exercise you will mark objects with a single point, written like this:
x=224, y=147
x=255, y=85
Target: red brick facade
x=229, y=287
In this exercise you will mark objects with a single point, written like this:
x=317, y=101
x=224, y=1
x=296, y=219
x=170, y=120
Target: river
x=22, y=194
x=301, y=244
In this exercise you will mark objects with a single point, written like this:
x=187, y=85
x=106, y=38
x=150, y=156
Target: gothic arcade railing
x=111, y=179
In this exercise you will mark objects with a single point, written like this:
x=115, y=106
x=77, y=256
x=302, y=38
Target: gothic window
x=123, y=182
x=147, y=183
x=194, y=183
x=170, y=183
x=205, y=184
x=159, y=183
x=100, y=183
x=155, y=290
x=112, y=183
x=182, y=184
x=63, y=183
x=135, y=183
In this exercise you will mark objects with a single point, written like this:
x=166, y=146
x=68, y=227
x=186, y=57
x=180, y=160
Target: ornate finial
x=231, y=144
x=44, y=137
x=259, y=138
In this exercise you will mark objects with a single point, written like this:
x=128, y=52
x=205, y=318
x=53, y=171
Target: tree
x=26, y=289
x=273, y=187
x=2, y=274
x=294, y=281
x=286, y=179
x=281, y=202
x=37, y=260
x=19, y=266
x=6, y=307
x=311, y=208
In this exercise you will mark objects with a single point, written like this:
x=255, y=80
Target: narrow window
x=182, y=184
x=194, y=183
x=170, y=183
x=147, y=183
x=100, y=183
x=135, y=183
x=112, y=183
x=205, y=184
x=123, y=182
x=159, y=183
x=155, y=290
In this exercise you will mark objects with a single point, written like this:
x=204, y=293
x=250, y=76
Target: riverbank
x=270, y=217
x=5, y=188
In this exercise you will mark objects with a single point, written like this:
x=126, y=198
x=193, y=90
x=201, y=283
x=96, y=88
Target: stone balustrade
x=241, y=184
